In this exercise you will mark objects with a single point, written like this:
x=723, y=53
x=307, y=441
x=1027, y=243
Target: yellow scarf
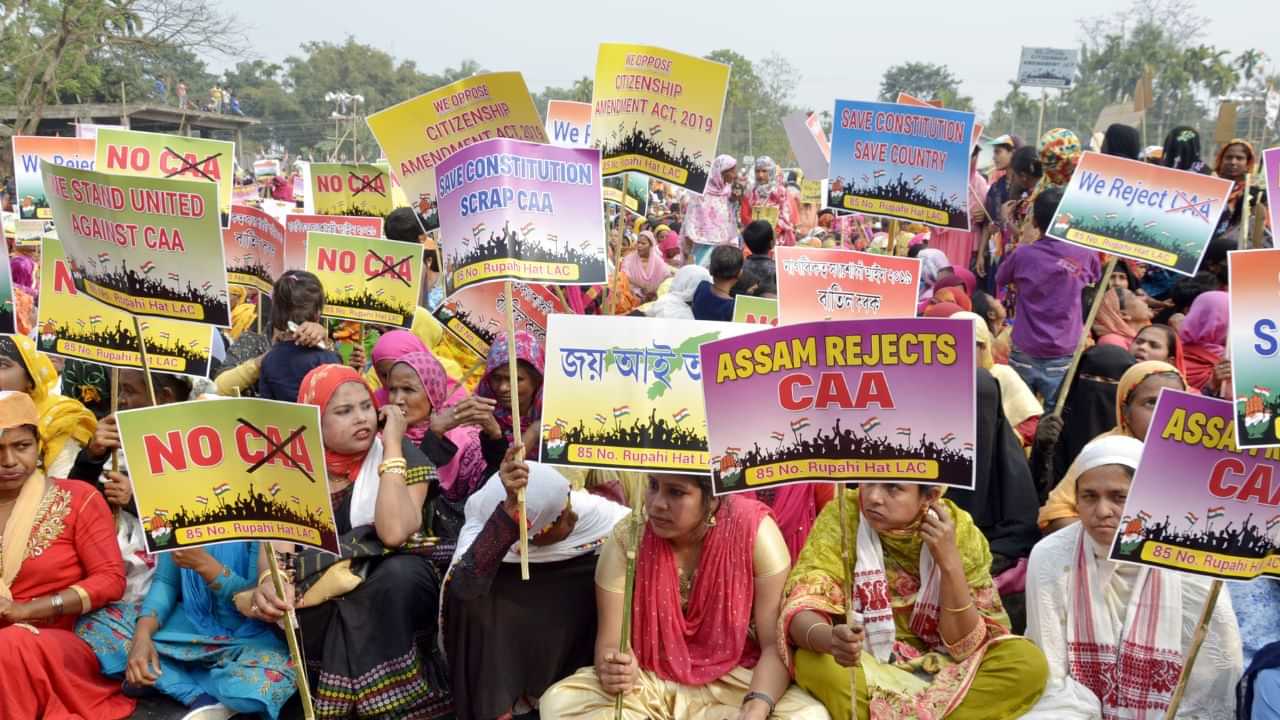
x=61, y=418
x=17, y=531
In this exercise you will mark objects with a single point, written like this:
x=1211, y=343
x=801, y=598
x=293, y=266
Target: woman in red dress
x=58, y=560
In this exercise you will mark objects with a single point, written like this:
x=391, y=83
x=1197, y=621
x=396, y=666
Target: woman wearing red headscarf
x=368, y=617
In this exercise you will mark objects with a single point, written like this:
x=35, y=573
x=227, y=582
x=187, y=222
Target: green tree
x=357, y=69
x=579, y=91
x=51, y=50
x=757, y=99
x=927, y=81
x=1188, y=76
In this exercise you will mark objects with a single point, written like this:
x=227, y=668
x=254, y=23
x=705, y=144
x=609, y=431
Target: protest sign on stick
x=624, y=393
x=369, y=280
x=569, y=123
x=29, y=197
x=227, y=470
x=254, y=245
x=513, y=210
x=145, y=245
x=297, y=225
x=354, y=189
x=156, y=155
x=1199, y=504
x=8, y=317
x=629, y=190
x=808, y=142
x=755, y=310
x=658, y=112
x=477, y=313
x=831, y=284
x=849, y=400
x=1254, y=342
x=901, y=162
x=420, y=133
x=913, y=101
x=1271, y=169
x=73, y=326
x=1047, y=67
x=1161, y=216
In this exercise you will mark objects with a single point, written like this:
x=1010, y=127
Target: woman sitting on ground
x=496, y=386
x=446, y=422
x=925, y=603
x=58, y=560
x=509, y=639
x=1135, y=403
x=1115, y=634
x=707, y=569
x=368, y=626
x=188, y=640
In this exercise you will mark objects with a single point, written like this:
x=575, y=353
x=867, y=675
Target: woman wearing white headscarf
x=709, y=221
x=1115, y=634
x=508, y=640
x=674, y=304
x=769, y=191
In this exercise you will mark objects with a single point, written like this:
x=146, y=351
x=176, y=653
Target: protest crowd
x=884, y=598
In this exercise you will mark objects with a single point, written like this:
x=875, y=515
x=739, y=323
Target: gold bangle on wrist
x=809, y=645
x=959, y=609
x=397, y=466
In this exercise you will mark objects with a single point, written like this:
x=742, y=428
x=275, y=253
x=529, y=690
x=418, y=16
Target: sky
x=840, y=50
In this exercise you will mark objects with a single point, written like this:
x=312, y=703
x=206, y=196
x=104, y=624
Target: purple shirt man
x=1049, y=275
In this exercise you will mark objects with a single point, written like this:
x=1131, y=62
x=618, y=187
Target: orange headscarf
x=318, y=387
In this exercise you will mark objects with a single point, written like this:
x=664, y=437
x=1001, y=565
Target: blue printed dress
x=206, y=646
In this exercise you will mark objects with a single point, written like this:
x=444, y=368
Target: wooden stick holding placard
x=1103, y=285
x=615, y=243
x=142, y=348
x=291, y=636
x=1202, y=629
x=115, y=405
x=1044, y=98
x=628, y=598
x=842, y=497
x=517, y=432
x=1243, y=242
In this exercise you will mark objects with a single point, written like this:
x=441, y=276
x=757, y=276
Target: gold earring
x=711, y=520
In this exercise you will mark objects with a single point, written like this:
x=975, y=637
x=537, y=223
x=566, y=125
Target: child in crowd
x=714, y=300
x=298, y=298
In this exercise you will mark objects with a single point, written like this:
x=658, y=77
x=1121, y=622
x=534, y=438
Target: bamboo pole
x=637, y=529
x=1044, y=98
x=1103, y=285
x=841, y=495
x=146, y=366
x=115, y=406
x=1202, y=629
x=517, y=433
x=1243, y=242
x=291, y=636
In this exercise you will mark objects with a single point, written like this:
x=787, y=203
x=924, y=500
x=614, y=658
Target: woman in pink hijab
x=709, y=221
x=1204, y=336
x=645, y=267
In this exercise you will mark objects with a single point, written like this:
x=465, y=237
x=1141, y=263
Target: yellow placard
x=418, y=134
x=657, y=112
